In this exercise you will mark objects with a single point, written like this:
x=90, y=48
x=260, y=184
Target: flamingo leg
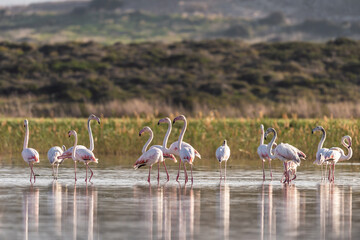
x=192, y=179
x=263, y=169
x=270, y=169
x=91, y=173
x=220, y=170
x=149, y=174
x=333, y=174
x=86, y=171
x=53, y=171
x=186, y=176
x=30, y=172
x=57, y=171
x=167, y=174
x=329, y=175
x=158, y=172
x=177, y=178
x=321, y=172
x=31, y=167
x=75, y=170
x=225, y=170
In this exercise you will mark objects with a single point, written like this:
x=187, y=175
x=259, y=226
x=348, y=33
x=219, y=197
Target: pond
x=120, y=204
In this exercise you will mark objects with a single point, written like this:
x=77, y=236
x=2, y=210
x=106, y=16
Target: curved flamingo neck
x=182, y=134
x=91, y=148
x=262, y=135
x=350, y=151
x=75, y=145
x=270, y=145
x=148, y=141
x=166, y=138
x=26, y=140
x=322, y=140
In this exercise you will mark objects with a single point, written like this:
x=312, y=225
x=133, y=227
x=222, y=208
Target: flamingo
x=336, y=154
x=68, y=153
x=262, y=151
x=82, y=154
x=223, y=154
x=321, y=152
x=284, y=152
x=53, y=155
x=151, y=156
x=29, y=155
x=187, y=153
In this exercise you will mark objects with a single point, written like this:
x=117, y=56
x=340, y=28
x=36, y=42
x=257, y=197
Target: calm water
x=120, y=204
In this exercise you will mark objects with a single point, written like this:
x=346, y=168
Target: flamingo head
x=262, y=127
x=164, y=120
x=349, y=139
x=181, y=117
x=268, y=131
x=26, y=122
x=64, y=148
x=318, y=128
x=72, y=132
x=225, y=142
x=93, y=117
x=145, y=129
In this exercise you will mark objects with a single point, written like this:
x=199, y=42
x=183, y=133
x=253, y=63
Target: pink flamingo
x=187, y=153
x=83, y=155
x=284, y=152
x=262, y=151
x=321, y=152
x=151, y=156
x=336, y=154
x=163, y=148
x=222, y=155
x=53, y=155
x=29, y=155
x=68, y=153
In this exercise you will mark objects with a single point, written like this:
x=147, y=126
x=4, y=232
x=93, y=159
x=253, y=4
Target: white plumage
x=222, y=155
x=53, y=155
x=30, y=155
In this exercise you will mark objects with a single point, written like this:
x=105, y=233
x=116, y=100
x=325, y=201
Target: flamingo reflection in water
x=267, y=213
x=31, y=211
x=168, y=212
x=223, y=210
x=334, y=204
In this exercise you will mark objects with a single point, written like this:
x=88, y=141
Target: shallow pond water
x=120, y=204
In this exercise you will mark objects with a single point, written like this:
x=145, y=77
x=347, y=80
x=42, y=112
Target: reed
x=119, y=136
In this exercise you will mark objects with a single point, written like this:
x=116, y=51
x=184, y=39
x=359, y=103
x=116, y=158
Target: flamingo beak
x=158, y=122
x=99, y=121
x=312, y=131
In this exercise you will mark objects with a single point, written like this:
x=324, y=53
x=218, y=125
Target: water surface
x=120, y=204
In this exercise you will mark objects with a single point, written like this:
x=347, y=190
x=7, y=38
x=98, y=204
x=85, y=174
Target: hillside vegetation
x=224, y=77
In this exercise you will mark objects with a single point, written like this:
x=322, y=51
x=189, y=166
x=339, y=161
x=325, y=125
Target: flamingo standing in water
x=68, y=153
x=336, y=154
x=29, y=155
x=284, y=152
x=151, y=156
x=82, y=154
x=163, y=148
x=187, y=153
x=321, y=152
x=262, y=151
x=222, y=155
x=53, y=155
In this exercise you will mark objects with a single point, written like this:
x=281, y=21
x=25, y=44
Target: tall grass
x=119, y=136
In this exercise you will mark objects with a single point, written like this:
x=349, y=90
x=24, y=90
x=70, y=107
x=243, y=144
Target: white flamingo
x=222, y=155
x=82, y=154
x=151, y=156
x=68, y=153
x=336, y=154
x=321, y=152
x=284, y=152
x=163, y=148
x=262, y=151
x=29, y=155
x=187, y=153
x=53, y=155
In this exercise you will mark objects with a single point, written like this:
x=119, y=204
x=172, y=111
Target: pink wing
x=150, y=157
x=30, y=155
